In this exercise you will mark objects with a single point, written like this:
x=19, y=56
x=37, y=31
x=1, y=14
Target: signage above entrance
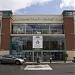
x=37, y=42
x=37, y=19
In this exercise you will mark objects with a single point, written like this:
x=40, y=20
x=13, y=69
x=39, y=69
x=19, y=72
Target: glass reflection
x=35, y=28
x=22, y=43
x=38, y=28
x=49, y=43
x=53, y=43
x=18, y=29
x=56, y=29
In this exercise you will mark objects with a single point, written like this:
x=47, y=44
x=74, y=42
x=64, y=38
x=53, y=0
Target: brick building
x=55, y=35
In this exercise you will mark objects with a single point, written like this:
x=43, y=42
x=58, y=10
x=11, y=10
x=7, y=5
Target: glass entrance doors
x=32, y=56
x=45, y=56
x=36, y=55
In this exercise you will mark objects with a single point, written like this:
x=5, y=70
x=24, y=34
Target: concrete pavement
x=49, y=62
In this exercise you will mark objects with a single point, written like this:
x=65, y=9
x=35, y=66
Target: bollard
x=50, y=60
x=24, y=59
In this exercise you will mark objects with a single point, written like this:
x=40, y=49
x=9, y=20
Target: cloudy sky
x=37, y=6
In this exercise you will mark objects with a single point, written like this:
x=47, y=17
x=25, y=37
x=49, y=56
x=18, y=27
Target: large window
x=37, y=28
x=53, y=43
x=56, y=28
x=18, y=28
x=22, y=43
x=49, y=43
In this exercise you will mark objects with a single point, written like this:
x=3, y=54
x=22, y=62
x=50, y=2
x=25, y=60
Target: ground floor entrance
x=32, y=47
x=44, y=56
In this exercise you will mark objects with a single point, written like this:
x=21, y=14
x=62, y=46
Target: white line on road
x=38, y=67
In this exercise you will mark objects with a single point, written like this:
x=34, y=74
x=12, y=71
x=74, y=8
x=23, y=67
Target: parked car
x=21, y=58
x=11, y=59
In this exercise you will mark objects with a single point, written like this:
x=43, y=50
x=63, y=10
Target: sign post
x=37, y=43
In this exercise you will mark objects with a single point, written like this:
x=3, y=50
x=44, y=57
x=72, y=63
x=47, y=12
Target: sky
x=37, y=6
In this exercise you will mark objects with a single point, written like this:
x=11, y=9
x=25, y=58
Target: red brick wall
x=5, y=38
x=69, y=30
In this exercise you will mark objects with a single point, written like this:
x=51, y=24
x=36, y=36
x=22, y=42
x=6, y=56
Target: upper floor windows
x=37, y=28
x=18, y=29
x=68, y=14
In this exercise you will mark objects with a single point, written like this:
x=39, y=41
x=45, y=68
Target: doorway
x=36, y=55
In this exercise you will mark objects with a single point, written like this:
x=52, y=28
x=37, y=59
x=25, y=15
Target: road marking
x=38, y=67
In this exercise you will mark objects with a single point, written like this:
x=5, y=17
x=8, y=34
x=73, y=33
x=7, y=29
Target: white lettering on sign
x=37, y=18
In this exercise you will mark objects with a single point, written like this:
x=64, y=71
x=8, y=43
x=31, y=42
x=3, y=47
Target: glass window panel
x=18, y=29
x=45, y=31
x=38, y=28
x=29, y=31
x=53, y=31
x=22, y=43
x=56, y=29
x=53, y=43
x=49, y=43
x=56, y=26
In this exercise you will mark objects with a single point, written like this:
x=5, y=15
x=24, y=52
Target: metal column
x=33, y=56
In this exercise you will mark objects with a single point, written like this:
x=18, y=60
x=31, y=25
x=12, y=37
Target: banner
x=37, y=42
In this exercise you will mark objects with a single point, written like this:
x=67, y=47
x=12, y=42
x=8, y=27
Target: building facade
x=31, y=36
